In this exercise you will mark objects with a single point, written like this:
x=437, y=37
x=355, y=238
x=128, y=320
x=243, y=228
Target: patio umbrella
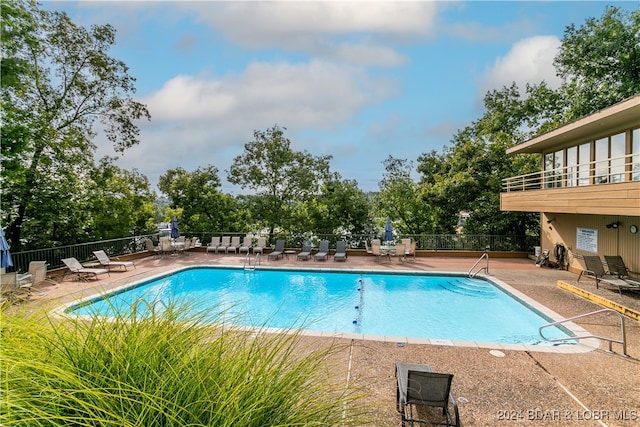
x=388, y=231
x=5, y=256
x=175, y=233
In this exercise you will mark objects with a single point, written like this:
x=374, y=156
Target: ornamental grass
x=167, y=368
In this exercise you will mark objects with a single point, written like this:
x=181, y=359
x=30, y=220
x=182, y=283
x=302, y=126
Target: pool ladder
x=247, y=262
x=472, y=273
x=623, y=333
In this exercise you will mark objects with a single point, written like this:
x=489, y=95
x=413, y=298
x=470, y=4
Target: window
x=601, y=161
x=572, y=166
x=616, y=169
x=584, y=159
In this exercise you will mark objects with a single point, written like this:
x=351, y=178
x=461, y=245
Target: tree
x=340, y=208
x=279, y=176
x=599, y=62
x=400, y=199
x=121, y=203
x=203, y=207
x=63, y=82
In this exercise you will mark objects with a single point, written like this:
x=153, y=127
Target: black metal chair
x=418, y=385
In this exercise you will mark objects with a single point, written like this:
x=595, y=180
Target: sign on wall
x=587, y=239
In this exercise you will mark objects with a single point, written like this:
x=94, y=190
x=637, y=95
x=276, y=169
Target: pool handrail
x=472, y=273
x=622, y=341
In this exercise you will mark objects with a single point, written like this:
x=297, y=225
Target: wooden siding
x=611, y=241
x=604, y=199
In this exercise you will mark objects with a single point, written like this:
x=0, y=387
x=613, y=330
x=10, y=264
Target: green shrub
x=165, y=369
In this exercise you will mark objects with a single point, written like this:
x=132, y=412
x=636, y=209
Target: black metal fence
x=435, y=242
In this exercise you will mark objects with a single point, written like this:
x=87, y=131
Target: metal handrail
x=611, y=170
x=623, y=341
x=246, y=260
x=471, y=273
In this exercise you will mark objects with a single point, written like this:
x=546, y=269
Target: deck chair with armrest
x=213, y=245
x=246, y=245
x=278, y=252
x=418, y=385
x=80, y=271
x=224, y=244
x=234, y=245
x=259, y=247
x=616, y=266
x=323, y=251
x=341, y=251
x=305, y=253
x=105, y=261
x=595, y=269
x=37, y=274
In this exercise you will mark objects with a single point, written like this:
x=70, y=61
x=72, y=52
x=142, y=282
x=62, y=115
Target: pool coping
x=583, y=346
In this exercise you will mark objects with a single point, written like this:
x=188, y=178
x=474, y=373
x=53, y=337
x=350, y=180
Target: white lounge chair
x=259, y=247
x=74, y=266
x=234, y=245
x=105, y=261
x=246, y=244
x=213, y=245
x=224, y=244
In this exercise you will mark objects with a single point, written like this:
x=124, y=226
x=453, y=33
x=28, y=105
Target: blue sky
x=356, y=80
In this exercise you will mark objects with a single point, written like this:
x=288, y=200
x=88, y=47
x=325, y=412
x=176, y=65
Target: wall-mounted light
x=613, y=225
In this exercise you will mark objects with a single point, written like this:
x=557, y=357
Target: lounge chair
x=341, y=251
x=323, y=251
x=595, y=268
x=213, y=245
x=418, y=385
x=151, y=248
x=105, y=261
x=37, y=274
x=305, y=253
x=367, y=248
x=246, y=245
x=8, y=287
x=278, y=252
x=234, y=245
x=616, y=266
x=74, y=266
x=224, y=244
x=259, y=247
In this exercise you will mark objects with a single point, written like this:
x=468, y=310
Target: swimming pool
x=443, y=307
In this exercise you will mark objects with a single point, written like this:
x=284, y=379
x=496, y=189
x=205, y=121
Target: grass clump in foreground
x=166, y=369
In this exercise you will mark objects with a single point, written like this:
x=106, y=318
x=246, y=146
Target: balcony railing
x=609, y=171
x=83, y=252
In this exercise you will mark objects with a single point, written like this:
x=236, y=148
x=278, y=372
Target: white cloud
x=529, y=61
x=317, y=94
x=353, y=32
x=204, y=119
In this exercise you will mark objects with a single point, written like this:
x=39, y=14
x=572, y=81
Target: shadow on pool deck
x=519, y=389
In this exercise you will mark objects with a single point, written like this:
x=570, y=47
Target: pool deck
x=511, y=387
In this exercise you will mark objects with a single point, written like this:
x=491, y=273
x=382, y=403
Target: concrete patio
x=514, y=388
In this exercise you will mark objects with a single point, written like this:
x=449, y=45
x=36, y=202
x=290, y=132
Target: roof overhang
x=618, y=117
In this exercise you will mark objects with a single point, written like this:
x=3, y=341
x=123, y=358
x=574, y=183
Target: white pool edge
x=583, y=346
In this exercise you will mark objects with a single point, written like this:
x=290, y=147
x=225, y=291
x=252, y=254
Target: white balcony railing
x=608, y=171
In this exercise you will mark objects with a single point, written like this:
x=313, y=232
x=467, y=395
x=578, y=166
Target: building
x=588, y=187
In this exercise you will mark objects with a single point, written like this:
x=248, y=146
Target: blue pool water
x=417, y=306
